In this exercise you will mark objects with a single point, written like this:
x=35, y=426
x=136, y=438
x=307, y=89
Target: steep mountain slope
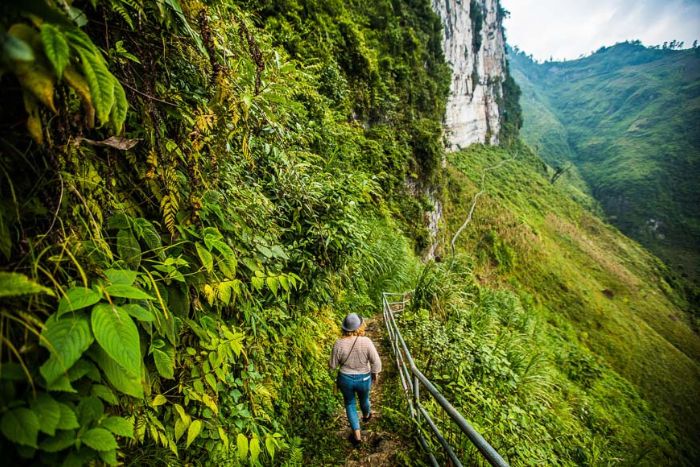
x=628, y=117
x=560, y=328
x=543, y=130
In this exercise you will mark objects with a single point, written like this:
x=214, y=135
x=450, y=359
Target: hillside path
x=380, y=446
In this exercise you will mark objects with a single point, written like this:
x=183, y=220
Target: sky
x=566, y=29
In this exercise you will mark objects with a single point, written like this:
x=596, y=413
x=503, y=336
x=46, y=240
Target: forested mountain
x=193, y=194
x=628, y=117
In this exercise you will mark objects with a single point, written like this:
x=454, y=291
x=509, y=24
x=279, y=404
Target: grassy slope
x=530, y=238
x=631, y=115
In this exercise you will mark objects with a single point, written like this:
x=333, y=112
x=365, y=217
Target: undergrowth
x=193, y=193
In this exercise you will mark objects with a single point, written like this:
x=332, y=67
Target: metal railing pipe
x=481, y=444
x=445, y=445
x=412, y=378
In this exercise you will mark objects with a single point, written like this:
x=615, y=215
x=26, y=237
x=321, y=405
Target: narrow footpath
x=381, y=446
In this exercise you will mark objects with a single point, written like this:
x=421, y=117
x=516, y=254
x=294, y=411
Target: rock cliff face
x=475, y=48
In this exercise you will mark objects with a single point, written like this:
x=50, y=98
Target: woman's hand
x=375, y=378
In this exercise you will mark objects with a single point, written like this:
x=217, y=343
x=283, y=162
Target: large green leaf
x=116, y=333
x=164, y=358
x=110, y=457
x=120, y=108
x=205, y=257
x=20, y=426
x=48, y=411
x=254, y=449
x=55, y=47
x=66, y=338
x=160, y=399
x=89, y=409
x=127, y=291
x=270, y=446
x=100, y=81
x=62, y=383
x=104, y=393
x=128, y=248
x=242, y=445
x=121, y=276
x=227, y=289
x=117, y=376
x=62, y=440
x=99, y=439
x=14, y=283
x=193, y=431
x=180, y=427
x=83, y=367
x=77, y=298
x=68, y=419
x=119, y=426
x=139, y=312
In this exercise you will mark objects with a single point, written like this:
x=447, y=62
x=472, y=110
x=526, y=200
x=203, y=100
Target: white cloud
x=566, y=29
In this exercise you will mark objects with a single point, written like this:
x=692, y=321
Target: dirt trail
x=379, y=447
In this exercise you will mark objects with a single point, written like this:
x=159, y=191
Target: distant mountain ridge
x=628, y=118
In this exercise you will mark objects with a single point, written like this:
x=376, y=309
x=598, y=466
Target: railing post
x=416, y=399
x=416, y=390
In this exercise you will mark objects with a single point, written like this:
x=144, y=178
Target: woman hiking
x=358, y=366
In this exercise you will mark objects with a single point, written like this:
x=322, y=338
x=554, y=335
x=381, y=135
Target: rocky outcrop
x=434, y=217
x=475, y=48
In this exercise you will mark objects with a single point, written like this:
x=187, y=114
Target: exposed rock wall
x=434, y=218
x=431, y=218
x=475, y=48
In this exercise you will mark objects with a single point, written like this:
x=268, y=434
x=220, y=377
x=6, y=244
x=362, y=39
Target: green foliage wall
x=511, y=111
x=200, y=191
x=382, y=66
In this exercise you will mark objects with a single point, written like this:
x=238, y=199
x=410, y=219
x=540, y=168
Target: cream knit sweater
x=363, y=359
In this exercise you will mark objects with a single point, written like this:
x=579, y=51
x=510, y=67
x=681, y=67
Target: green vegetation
x=555, y=334
x=193, y=194
x=203, y=189
x=476, y=15
x=628, y=117
x=511, y=111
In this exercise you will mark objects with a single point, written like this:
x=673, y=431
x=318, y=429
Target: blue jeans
x=349, y=385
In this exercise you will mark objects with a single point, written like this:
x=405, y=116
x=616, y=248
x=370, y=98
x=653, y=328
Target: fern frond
x=118, y=8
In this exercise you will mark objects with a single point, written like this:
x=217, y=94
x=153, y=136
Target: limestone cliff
x=475, y=48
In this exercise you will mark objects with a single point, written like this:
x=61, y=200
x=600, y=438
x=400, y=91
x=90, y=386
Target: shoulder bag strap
x=349, y=353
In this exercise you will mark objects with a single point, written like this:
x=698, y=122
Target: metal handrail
x=411, y=381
